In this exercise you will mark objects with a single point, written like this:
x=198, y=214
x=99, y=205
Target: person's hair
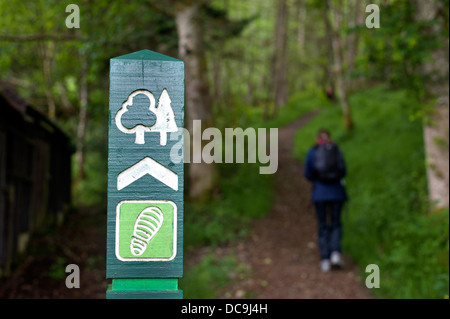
x=323, y=134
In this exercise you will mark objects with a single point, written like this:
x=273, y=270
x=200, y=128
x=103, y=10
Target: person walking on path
x=325, y=168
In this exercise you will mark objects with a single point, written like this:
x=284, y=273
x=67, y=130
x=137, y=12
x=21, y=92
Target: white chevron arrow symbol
x=147, y=166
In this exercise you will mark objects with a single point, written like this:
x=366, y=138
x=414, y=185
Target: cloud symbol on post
x=165, y=117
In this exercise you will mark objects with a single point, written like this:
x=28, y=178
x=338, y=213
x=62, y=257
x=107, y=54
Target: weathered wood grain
x=154, y=72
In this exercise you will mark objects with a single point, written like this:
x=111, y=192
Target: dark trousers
x=330, y=228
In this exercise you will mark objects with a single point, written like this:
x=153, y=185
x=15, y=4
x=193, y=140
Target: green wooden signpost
x=145, y=187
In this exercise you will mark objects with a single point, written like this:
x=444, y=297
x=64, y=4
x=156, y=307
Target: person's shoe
x=325, y=265
x=336, y=259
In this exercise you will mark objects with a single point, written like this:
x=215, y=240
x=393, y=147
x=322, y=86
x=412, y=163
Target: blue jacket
x=322, y=192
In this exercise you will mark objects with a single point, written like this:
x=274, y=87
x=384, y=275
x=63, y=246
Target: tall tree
x=333, y=13
x=82, y=117
x=434, y=15
x=196, y=22
x=301, y=27
x=355, y=20
x=280, y=56
x=198, y=103
x=189, y=20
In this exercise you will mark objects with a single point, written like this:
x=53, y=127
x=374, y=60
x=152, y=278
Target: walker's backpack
x=329, y=163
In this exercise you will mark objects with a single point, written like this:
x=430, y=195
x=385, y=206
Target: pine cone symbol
x=146, y=226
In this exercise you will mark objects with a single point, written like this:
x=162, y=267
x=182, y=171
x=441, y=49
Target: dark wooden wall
x=35, y=176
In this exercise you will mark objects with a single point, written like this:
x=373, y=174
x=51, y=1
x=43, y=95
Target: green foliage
x=219, y=25
x=58, y=269
x=298, y=105
x=441, y=142
x=421, y=264
x=397, y=51
x=130, y=27
x=91, y=190
x=205, y=279
x=386, y=220
x=244, y=194
x=253, y=116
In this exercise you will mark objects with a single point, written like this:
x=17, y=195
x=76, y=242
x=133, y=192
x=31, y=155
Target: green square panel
x=146, y=230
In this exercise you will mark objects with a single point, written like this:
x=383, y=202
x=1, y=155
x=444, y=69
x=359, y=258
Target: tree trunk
x=301, y=29
x=82, y=118
x=47, y=52
x=436, y=129
x=354, y=19
x=198, y=105
x=217, y=78
x=330, y=78
x=333, y=25
x=280, y=60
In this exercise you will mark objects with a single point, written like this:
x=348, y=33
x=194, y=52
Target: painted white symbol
x=147, y=166
x=165, y=118
x=147, y=225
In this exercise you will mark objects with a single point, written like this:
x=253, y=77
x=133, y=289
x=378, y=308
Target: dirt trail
x=282, y=250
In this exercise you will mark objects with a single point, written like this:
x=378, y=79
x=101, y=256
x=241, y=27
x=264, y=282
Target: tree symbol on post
x=165, y=118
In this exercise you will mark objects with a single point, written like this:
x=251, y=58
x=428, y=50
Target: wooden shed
x=35, y=174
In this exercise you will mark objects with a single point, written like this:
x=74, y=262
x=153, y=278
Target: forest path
x=281, y=250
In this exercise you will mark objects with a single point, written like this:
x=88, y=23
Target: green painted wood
x=145, y=210
x=147, y=284
x=165, y=294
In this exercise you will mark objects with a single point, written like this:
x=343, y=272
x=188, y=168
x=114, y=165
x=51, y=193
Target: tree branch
x=162, y=7
x=39, y=37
